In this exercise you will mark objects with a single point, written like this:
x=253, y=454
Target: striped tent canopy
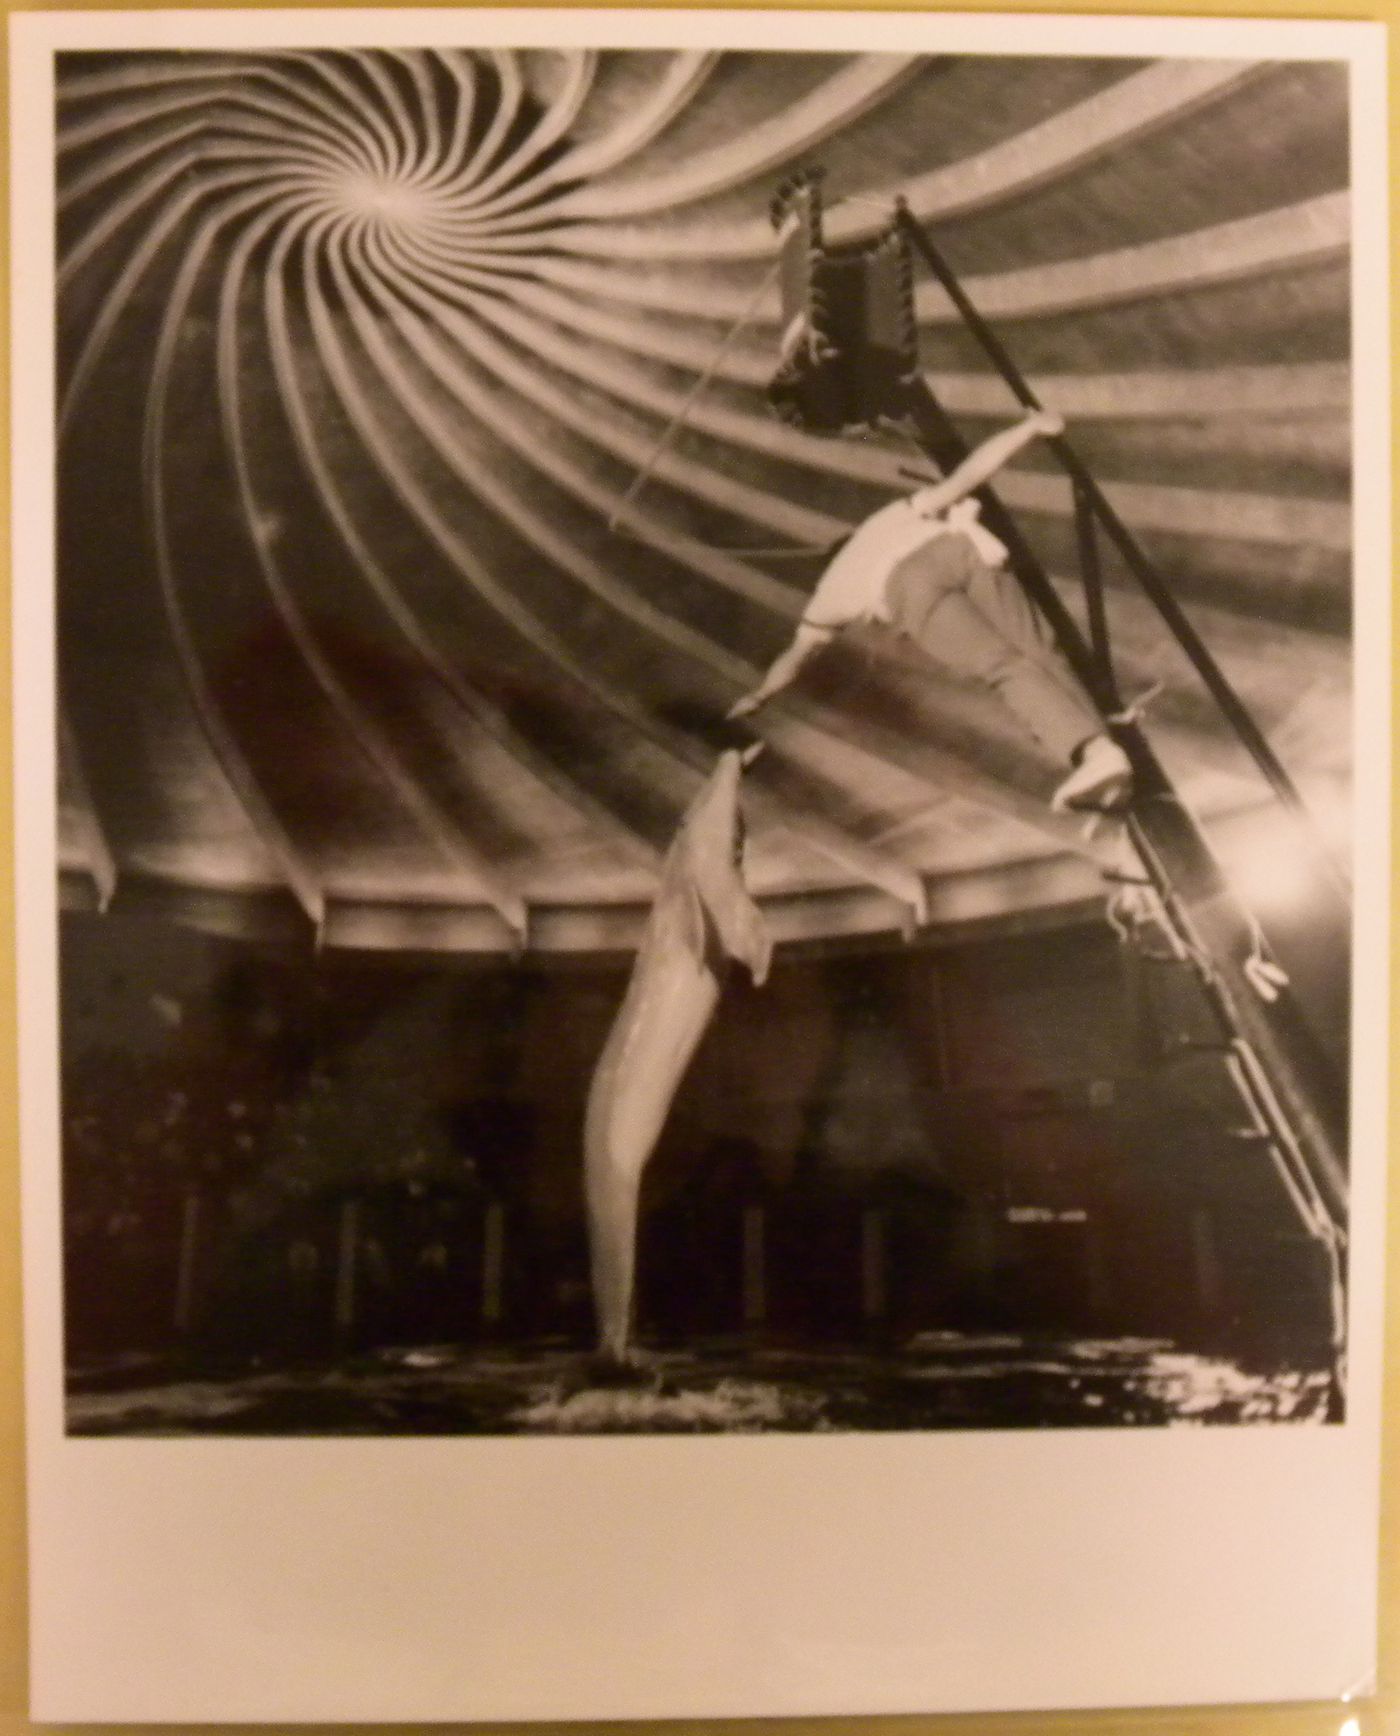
x=359, y=351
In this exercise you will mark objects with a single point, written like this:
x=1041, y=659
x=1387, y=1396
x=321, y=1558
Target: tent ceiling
x=358, y=352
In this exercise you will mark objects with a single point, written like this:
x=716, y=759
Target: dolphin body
x=702, y=916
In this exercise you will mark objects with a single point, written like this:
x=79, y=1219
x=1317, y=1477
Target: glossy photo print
x=449, y=439
x=705, y=736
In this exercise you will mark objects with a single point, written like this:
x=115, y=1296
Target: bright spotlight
x=1267, y=859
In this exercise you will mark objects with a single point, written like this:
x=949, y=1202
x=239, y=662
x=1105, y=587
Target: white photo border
x=414, y=1579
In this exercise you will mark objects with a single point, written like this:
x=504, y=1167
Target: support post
x=1086, y=535
x=1206, y=1256
x=874, y=1289
x=493, y=1264
x=1096, y=1276
x=185, y=1267
x=755, y=1273
x=346, y=1260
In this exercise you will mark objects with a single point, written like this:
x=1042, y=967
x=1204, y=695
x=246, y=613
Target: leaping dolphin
x=702, y=916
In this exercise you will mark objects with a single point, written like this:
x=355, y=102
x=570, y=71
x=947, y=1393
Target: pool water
x=934, y=1381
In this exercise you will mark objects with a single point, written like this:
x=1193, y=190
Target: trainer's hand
x=1046, y=422
x=746, y=706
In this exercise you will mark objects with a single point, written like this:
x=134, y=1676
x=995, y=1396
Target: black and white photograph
x=708, y=778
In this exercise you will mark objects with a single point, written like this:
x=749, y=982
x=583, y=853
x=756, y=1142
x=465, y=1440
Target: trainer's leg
x=1100, y=775
x=956, y=632
x=999, y=598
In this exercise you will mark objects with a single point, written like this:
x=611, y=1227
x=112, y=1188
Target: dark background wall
x=1012, y=1120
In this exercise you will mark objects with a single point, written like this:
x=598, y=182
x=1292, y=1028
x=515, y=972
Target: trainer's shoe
x=1101, y=779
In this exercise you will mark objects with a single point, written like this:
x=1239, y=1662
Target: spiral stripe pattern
x=359, y=352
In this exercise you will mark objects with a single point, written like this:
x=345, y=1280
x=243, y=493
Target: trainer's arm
x=980, y=466
x=783, y=671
